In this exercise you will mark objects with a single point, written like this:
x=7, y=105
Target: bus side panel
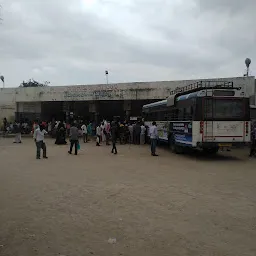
x=163, y=130
x=182, y=131
x=197, y=136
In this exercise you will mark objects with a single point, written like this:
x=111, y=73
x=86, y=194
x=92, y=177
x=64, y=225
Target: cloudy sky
x=74, y=41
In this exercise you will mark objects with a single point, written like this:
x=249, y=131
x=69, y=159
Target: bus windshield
x=226, y=109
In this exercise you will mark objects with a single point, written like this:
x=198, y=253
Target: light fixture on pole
x=247, y=63
x=2, y=79
x=106, y=73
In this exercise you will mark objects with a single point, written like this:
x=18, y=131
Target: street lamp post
x=247, y=63
x=106, y=73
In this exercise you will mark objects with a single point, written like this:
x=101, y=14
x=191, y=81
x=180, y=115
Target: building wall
x=125, y=91
x=28, y=107
x=7, y=104
x=8, y=111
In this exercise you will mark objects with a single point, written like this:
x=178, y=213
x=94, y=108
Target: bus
x=206, y=115
x=253, y=113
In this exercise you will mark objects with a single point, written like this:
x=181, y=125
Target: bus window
x=145, y=116
x=188, y=113
x=181, y=114
x=160, y=116
x=153, y=116
x=166, y=116
x=225, y=109
x=192, y=112
x=174, y=114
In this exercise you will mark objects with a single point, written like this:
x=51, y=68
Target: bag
x=78, y=146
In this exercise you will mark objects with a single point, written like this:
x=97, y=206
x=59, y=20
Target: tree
x=33, y=83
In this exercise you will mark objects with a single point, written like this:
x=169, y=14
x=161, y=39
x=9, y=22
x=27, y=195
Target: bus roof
x=170, y=101
x=165, y=102
x=188, y=96
x=155, y=104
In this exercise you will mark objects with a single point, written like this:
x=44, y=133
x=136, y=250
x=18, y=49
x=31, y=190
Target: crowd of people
x=11, y=127
x=105, y=132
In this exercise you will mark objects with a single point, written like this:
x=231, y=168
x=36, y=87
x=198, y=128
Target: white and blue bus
x=207, y=115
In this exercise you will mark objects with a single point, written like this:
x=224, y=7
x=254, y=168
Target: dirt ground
x=171, y=205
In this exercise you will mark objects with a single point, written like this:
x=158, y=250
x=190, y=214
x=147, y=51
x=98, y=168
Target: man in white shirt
x=153, y=133
x=142, y=134
x=98, y=134
x=39, y=139
x=84, y=131
x=103, y=136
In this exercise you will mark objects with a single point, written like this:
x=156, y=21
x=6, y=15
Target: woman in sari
x=61, y=134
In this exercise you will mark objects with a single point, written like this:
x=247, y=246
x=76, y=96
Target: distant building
x=93, y=102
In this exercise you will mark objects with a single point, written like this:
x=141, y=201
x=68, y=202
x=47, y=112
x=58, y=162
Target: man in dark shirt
x=17, y=131
x=73, y=138
x=114, y=131
x=137, y=133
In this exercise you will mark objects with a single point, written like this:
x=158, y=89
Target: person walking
x=142, y=134
x=103, y=136
x=153, y=137
x=114, y=131
x=74, y=134
x=39, y=140
x=35, y=126
x=130, y=127
x=89, y=129
x=85, y=132
x=17, y=130
x=107, y=130
x=68, y=126
x=61, y=134
x=137, y=133
x=98, y=134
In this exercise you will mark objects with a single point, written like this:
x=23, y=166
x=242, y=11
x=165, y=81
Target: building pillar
x=66, y=111
x=127, y=109
x=94, y=110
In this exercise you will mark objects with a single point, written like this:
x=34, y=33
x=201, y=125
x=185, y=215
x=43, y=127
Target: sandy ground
x=171, y=205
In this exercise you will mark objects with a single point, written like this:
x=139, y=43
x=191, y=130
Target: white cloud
x=74, y=41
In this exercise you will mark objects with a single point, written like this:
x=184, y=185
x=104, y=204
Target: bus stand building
x=94, y=102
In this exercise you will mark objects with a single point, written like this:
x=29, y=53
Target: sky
x=68, y=42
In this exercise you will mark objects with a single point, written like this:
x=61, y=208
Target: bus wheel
x=211, y=151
